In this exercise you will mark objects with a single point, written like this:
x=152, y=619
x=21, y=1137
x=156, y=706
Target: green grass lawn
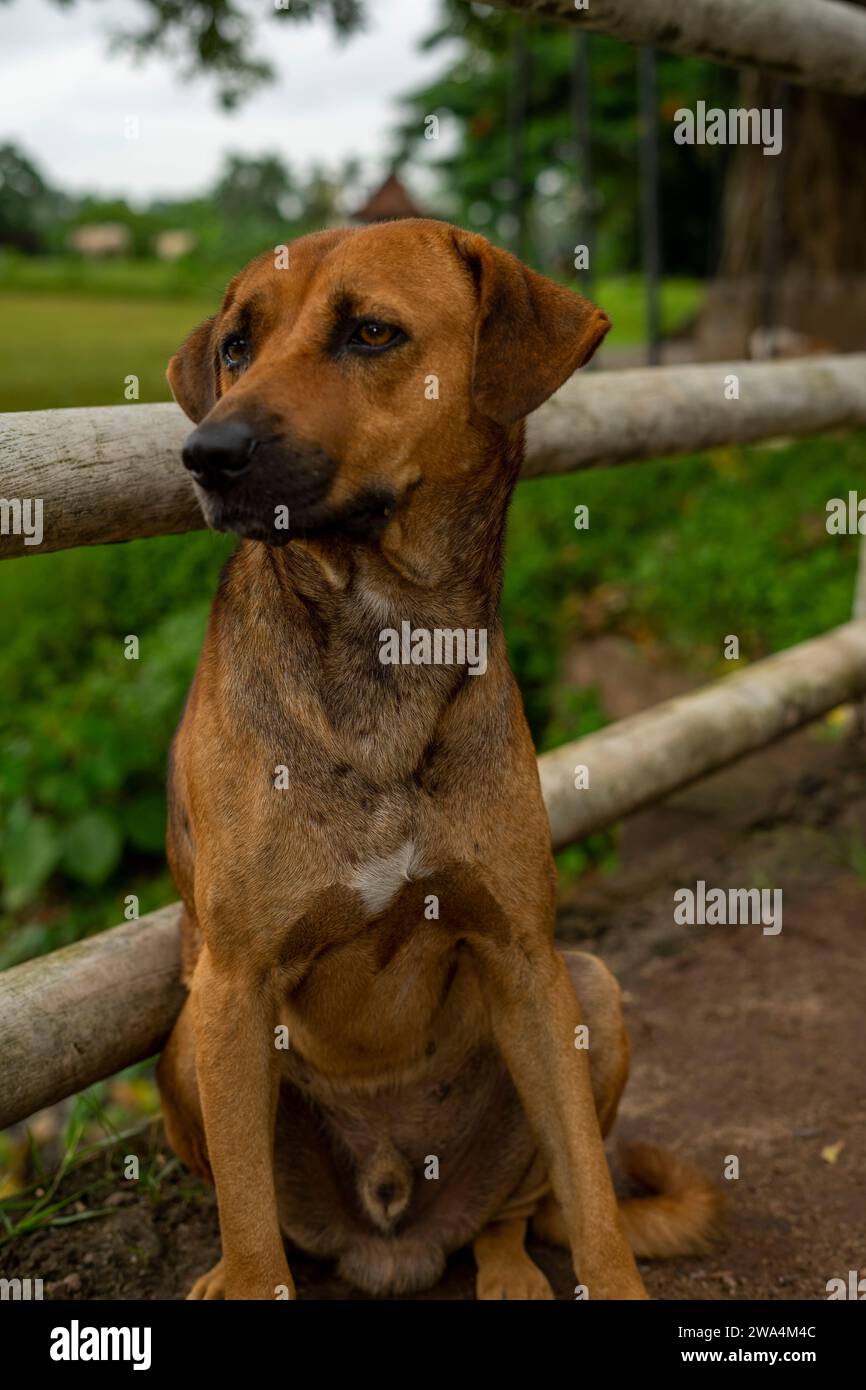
x=113, y=278
x=121, y=280
x=68, y=350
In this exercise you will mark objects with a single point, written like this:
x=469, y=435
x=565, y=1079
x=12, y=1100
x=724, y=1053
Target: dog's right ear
x=530, y=335
x=191, y=372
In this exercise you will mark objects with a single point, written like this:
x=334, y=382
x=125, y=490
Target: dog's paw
x=252, y=1285
x=518, y=1280
x=210, y=1285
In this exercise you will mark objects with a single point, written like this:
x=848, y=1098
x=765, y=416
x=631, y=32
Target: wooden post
x=773, y=232
x=518, y=110
x=860, y=585
x=649, y=200
x=105, y=473
x=649, y=413
x=77, y=1015
x=815, y=43
x=581, y=115
x=859, y=612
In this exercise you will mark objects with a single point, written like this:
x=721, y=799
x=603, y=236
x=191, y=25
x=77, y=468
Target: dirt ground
x=742, y=1044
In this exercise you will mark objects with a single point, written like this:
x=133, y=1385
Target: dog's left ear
x=531, y=333
x=191, y=374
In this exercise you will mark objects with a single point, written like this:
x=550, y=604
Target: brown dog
x=378, y=1058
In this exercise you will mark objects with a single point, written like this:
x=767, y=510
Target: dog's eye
x=235, y=351
x=373, y=335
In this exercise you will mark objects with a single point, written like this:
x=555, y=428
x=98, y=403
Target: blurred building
x=174, y=243
x=389, y=202
x=100, y=239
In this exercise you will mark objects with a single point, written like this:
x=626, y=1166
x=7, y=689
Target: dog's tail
x=682, y=1211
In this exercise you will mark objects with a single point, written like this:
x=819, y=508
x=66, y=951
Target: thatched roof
x=390, y=201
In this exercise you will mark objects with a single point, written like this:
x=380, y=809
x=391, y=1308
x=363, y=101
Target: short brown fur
x=412, y=1040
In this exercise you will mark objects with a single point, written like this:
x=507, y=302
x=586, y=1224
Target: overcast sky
x=64, y=97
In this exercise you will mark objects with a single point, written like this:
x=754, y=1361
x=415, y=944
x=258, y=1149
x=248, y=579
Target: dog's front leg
x=536, y=1016
x=238, y=1078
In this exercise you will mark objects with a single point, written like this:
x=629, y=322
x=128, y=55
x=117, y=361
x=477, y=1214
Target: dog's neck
x=324, y=609
x=439, y=558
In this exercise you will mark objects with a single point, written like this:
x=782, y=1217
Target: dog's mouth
x=268, y=487
x=245, y=513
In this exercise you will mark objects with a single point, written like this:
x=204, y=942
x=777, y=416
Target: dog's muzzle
x=255, y=482
x=270, y=487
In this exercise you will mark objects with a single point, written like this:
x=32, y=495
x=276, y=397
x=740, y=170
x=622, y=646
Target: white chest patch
x=379, y=880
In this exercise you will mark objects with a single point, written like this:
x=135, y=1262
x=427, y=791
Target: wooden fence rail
x=72, y=1017
x=816, y=43
x=639, y=760
x=113, y=473
x=82, y=1013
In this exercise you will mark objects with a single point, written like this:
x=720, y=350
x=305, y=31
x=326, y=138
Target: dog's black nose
x=386, y=1192
x=216, y=455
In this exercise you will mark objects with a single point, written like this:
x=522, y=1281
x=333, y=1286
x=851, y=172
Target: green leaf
x=144, y=823
x=92, y=847
x=29, y=853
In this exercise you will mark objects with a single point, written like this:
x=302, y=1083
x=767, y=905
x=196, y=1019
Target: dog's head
x=346, y=369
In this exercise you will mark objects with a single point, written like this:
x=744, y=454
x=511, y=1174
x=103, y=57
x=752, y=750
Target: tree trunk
x=792, y=271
